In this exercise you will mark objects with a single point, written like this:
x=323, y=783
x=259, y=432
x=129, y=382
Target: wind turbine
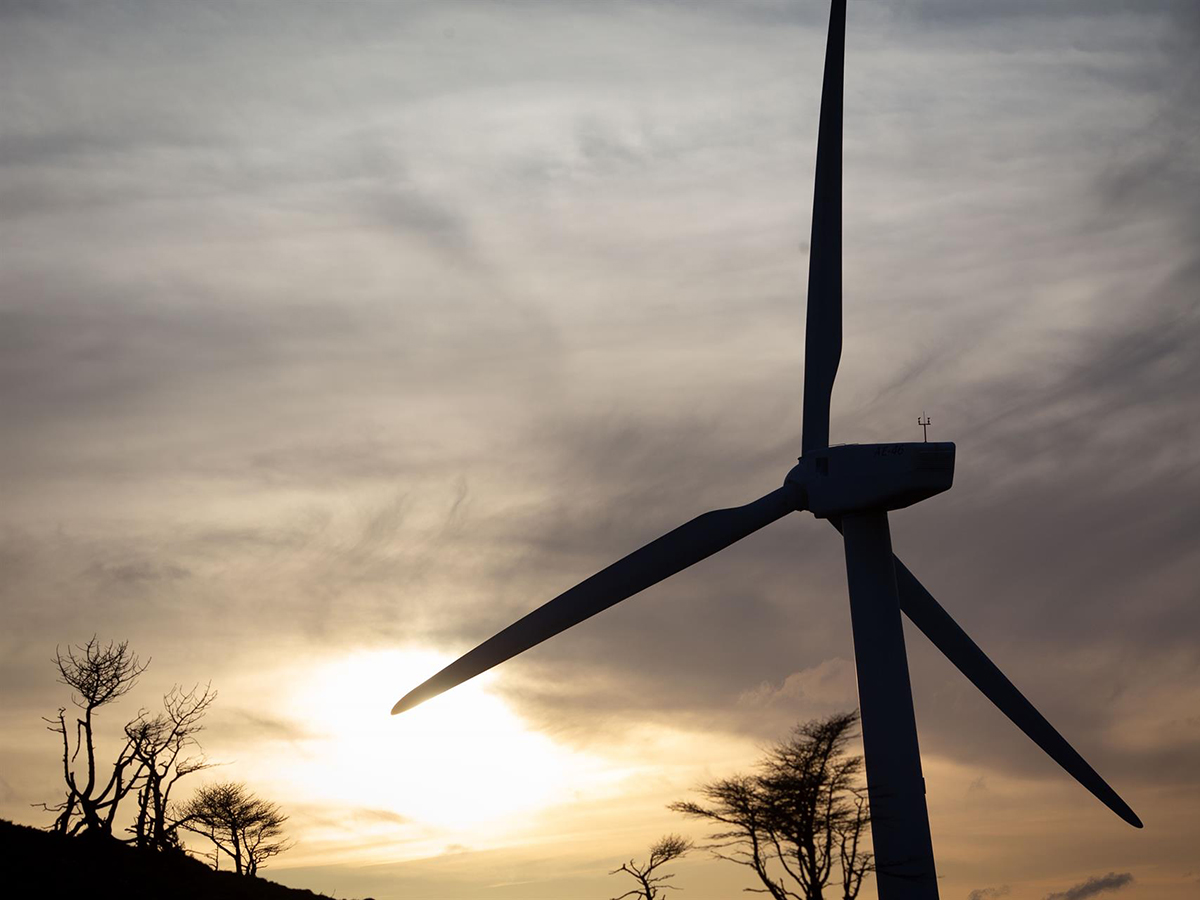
x=853, y=487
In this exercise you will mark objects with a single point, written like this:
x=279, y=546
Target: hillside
x=45, y=865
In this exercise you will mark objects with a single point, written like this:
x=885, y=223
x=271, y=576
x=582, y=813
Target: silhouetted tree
x=804, y=813
x=650, y=881
x=242, y=826
x=97, y=675
x=159, y=744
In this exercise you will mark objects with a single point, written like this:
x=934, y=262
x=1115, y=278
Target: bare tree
x=854, y=861
x=160, y=743
x=244, y=827
x=803, y=814
x=97, y=676
x=650, y=882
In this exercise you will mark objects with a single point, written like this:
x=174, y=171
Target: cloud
x=978, y=786
x=825, y=686
x=243, y=726
x=359, y=329
x=135, y=572
x=989, y=893
x=380, y=815
x=1097, y=884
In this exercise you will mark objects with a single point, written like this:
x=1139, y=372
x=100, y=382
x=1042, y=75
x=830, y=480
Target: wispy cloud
x=378, y=325
x=1097, y=884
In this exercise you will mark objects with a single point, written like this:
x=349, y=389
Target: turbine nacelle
x=851, y=478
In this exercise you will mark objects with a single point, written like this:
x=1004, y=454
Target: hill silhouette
x=44, y=865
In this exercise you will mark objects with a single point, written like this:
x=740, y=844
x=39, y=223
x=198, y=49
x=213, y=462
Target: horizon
x=338, y=339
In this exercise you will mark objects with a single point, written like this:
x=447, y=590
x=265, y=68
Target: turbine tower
x=853, y=487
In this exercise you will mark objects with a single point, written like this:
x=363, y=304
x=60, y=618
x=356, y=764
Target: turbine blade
x=661, y=558
x=823, y=326
x=929, y=616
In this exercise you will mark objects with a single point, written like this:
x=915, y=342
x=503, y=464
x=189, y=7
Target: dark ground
x=37, y=864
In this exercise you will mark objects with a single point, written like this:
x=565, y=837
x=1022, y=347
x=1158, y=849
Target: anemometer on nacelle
x=850, y=478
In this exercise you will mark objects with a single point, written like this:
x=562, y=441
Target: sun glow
x=461, y=771
x=459, y=761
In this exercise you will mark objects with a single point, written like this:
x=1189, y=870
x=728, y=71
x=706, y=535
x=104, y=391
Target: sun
x=459, y=761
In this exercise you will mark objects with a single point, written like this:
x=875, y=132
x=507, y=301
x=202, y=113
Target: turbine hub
x=851, y=478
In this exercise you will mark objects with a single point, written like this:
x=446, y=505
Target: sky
x=334, y=336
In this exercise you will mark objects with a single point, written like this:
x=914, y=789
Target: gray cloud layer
x=379, y=324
